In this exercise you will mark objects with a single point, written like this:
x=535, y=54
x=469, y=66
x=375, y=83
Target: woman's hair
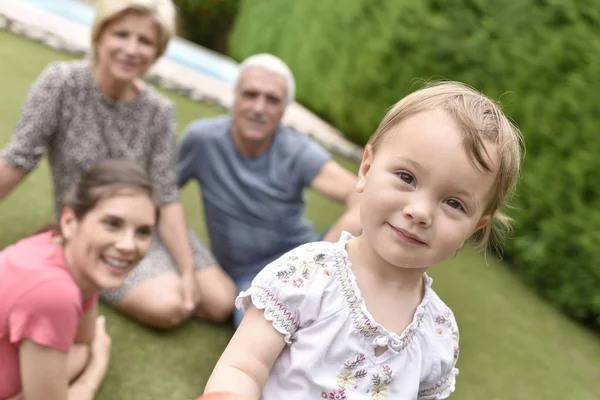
x=104, y=180
x=481, y=122
x=163, y=12
x=272, y=64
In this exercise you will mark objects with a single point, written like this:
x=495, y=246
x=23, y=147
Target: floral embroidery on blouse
x=350, y=374
x=444, y=320
x=381, y=382
x=302, y=266
x=337, y=394
x=353, y=374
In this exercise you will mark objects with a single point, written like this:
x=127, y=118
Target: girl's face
x=127, y=46
x=109, y=241
x=422, y=197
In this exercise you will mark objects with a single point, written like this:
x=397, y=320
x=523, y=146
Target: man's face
x=260, y=100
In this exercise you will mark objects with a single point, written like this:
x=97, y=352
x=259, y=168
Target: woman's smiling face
x=110, y=240
x=127, y=46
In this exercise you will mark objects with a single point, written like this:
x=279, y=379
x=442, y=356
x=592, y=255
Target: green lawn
x=513, y=345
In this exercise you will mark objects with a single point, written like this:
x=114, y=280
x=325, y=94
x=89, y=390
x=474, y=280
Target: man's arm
x=336, y=183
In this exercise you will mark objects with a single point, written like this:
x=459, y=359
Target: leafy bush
x=540, y=58
x=207, y=22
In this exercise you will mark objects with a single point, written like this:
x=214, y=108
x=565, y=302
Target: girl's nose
x=419, y=211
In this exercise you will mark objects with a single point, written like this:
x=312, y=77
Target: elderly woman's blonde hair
x=481, y=122
x=163, y=12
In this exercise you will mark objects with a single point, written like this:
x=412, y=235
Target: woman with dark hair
x=52, y=344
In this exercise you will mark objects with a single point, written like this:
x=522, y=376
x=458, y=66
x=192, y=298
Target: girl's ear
x=68, y=222
x=483, y=222
x=365, y=166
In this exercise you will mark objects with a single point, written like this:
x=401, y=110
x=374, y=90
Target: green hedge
x=541, y=59
x=207, y=22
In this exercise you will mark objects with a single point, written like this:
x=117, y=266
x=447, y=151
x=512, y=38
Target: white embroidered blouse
x=311, y=296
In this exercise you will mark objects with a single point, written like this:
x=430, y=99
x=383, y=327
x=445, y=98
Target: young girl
x=49, y=284
x=359, y=319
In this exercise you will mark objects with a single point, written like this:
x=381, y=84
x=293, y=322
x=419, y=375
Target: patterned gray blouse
x=66, y=115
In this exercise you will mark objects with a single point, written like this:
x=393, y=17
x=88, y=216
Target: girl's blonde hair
x=481, y=121
x=163, y=12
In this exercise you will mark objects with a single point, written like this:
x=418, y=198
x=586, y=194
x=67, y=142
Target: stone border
x=59, y=43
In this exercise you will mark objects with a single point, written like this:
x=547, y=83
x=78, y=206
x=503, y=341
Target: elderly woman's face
x=127, y=46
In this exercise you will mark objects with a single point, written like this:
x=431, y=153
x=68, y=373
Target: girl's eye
x=406, y=177
x=455, y=204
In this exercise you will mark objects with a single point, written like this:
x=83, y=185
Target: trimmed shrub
x=207, y=22
x=539, y=58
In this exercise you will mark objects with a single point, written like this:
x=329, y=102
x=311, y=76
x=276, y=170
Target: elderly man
x=253, y=171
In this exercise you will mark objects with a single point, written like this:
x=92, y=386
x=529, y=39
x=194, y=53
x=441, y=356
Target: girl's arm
x=45, y=374
x=246, y=362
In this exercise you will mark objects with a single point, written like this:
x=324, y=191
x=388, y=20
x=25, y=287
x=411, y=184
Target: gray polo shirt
x=254, y=206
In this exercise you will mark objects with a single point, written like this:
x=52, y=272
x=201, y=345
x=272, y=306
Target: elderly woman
x=83, y=112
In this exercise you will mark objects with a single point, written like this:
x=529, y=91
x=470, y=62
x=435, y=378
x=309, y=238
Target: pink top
x=39, y=301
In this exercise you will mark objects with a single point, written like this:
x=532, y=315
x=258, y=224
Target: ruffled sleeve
x=444, y=352
x=291, y=288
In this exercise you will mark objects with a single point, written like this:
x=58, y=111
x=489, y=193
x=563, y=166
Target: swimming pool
x=179, y=51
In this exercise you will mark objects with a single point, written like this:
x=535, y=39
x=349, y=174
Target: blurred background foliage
x=207, y=22
x=539, y=58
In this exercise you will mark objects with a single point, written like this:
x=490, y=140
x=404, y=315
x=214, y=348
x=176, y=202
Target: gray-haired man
x=253, y=172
